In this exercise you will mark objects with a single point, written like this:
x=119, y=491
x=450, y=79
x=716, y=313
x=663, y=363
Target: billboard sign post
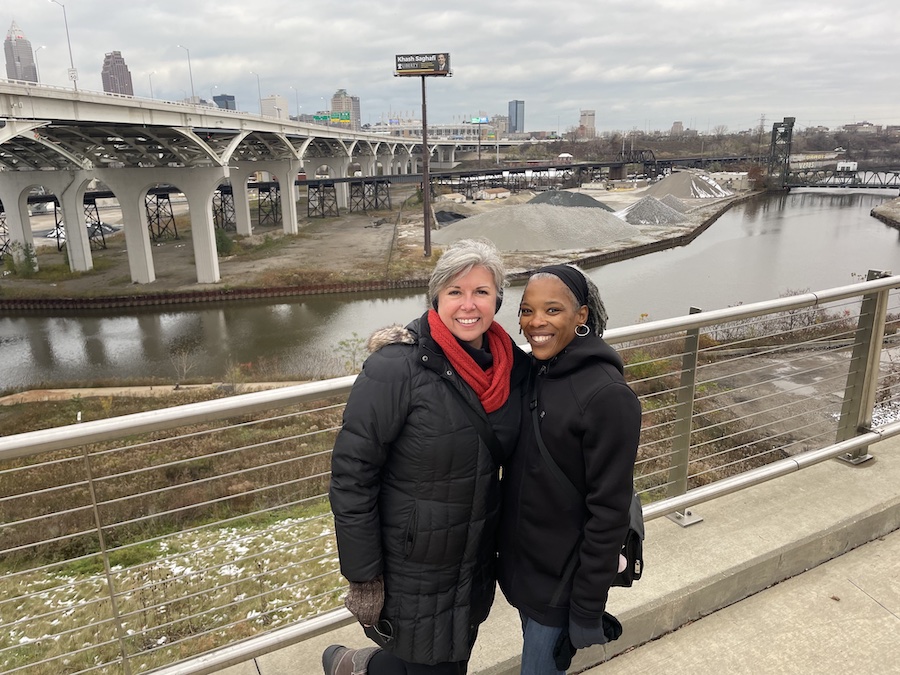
x=424, y=65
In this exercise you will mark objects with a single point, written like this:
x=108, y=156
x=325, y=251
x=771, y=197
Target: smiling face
x=467, y=305
x=547, y=317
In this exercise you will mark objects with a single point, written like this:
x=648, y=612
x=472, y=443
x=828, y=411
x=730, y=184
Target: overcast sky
x=638, y=63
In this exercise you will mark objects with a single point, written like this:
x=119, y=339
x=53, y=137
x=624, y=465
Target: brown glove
x=365, y=600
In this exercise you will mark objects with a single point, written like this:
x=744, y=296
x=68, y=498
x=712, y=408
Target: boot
x=339, y=660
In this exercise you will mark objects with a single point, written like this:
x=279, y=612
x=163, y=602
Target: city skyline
x=719, y=63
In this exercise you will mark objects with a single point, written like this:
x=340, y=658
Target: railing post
x=862, y=378
x=684, y=413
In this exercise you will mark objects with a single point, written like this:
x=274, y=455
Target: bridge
x=887, y=179
x=66, y=141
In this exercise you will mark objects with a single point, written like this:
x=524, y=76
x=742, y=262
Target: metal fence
x=194, y=537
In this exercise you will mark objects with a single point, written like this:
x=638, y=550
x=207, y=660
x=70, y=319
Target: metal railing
x=195, y=537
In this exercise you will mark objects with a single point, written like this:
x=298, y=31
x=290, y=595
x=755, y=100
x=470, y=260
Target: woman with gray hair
x=414, y=476
x=568, y=486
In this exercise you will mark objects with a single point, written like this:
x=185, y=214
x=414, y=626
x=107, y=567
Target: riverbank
x=888, y=213
x=386, y=254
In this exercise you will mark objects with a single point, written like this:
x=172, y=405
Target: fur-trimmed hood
x=391, y=335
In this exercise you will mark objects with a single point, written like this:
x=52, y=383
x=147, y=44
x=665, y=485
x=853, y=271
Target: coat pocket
x=437, y=533
x=409, y=538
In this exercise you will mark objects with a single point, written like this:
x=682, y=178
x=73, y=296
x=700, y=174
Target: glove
x=584, y=636
x=563, y=651
x=365, y=600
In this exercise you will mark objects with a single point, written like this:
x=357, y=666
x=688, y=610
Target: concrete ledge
x=747, y=542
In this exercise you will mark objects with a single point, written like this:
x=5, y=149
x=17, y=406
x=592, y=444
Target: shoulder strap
x=482, y=426
x=558, y=474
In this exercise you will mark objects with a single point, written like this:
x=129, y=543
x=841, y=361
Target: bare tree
x=184, y=361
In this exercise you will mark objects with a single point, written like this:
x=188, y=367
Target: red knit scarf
x=491, y=385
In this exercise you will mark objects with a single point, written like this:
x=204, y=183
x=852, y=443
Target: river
x=808, y=239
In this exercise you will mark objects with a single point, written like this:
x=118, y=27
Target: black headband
x=572, y=278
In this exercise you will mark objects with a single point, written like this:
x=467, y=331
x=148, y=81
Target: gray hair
x=460, y=258
x=597, y=316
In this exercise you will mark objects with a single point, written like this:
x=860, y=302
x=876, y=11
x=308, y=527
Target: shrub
x=224, y=243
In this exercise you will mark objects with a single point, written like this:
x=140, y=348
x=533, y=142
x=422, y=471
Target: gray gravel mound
x=688, y=185
x=541, y=227
x=675, y=203
x=563, y=198
x=651, y=211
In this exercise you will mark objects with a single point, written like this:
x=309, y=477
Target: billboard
x=436, y=63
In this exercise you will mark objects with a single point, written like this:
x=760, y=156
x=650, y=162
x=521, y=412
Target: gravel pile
x=651, y=211
x=688, y=185
x=563, y=198
x=541, y=227
x=675, y=203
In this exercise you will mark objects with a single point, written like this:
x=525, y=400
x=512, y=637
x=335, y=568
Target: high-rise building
x=115, y=75
x=517, y=117
x=342, y=102
x=225, y=101
x=275, y=105
x=19, y=57
x=587, y=125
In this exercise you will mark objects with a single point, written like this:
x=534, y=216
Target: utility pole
x=426, y=180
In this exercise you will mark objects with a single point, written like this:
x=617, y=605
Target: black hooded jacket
x=590, y=421
x=415, y=493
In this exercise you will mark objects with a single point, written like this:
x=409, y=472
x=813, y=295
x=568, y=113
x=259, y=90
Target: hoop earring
x=582, y=330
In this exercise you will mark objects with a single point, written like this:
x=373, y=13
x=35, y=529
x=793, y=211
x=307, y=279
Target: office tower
x=586, y=124
x=19, y=57
x=275, y=105
x=225, y=101
x=677, y=128
x=115, y=75
x=517, y=117
x=341, y=104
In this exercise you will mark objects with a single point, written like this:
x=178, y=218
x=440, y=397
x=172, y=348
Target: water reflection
x=756, y=251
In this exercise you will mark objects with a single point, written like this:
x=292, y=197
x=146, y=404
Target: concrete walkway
x=840, y=617
x=732, y=593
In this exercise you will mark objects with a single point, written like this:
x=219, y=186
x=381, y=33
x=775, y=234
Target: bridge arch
x=69, y=188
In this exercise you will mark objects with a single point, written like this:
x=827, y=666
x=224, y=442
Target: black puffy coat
x=590, y=421
x=415, y=493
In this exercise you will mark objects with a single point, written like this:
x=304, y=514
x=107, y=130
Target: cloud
x=637, y=64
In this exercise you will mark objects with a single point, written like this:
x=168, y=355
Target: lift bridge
x=843, y=175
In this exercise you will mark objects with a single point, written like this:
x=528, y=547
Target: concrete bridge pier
x=286, y=173
x=239, y=173
x=404, y=164
x=130, y=187
x=14, y=195
x=71, y=197
x=338, y=168
x=367, y=165
x=198, y=186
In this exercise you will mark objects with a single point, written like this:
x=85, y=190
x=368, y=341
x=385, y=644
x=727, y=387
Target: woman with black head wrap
x=565, y=515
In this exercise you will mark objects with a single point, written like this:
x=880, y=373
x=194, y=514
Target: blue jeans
x=537, y=647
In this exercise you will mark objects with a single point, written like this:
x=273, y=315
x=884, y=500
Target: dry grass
x=212, y=535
